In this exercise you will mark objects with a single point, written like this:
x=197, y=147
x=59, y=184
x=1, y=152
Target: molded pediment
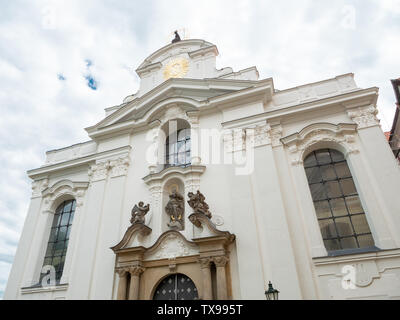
x=170, y=245
x=191, y=59
x=133, y=237
x=190, y=171
x=205, y=229
x=173, y=49
x=188, y=93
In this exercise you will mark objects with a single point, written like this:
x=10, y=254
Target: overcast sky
x=63, y=62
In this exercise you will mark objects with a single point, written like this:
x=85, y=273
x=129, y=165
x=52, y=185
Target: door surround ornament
x=141, y=269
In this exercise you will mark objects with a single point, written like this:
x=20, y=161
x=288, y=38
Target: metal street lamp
x=271, y=294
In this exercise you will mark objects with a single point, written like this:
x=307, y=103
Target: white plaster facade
x=268, y=205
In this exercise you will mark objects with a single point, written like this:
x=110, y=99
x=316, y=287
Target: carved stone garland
x=262, y=134
x=38, y=186
x=364, y=116
x=113, y=168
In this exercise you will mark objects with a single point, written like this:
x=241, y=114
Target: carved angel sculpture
x=138, y=212
x=197, y=203
x=175, y=209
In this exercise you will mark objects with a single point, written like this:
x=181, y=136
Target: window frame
x=332, y=218
x=176, y=154
x=59, y=213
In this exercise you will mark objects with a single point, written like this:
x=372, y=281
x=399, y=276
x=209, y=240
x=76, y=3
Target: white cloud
x=295, y=42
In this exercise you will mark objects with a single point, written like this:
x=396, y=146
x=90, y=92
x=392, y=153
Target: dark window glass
x=314, y=174
x=338, y=207
x=323, y=157
x=318, y=191
x=354, y=205
x=59, y=236
x=176, y=287
x=322, y=208
x=339, y=211
x=328, y=172
x=178, y=149
x=366, y=241
x=310, y=161
x=342, y=170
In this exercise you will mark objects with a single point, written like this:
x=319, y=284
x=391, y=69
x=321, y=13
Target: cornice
x=149, y=68
x=319, y=82
x=86, y=160
x=262, y=90
x=355, y=98
x=239, y=72
x=203, y=51
x=200, y=220
x=181, y=43
x=134, y=228
x=172, y=83
x=363, y=256
x=30, y=290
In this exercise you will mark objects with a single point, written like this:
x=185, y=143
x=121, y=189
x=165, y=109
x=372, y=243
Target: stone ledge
x=358, y=256
x=30, y=290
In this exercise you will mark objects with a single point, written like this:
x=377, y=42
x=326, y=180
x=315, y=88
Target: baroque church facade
x=209, y=184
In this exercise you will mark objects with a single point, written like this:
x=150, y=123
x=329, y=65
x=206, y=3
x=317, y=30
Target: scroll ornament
x=197, y=203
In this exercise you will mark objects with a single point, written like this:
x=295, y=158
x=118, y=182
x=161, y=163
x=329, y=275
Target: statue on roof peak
x=177, y=37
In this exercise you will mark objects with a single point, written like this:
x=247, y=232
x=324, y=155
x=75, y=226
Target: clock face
x=176, y=68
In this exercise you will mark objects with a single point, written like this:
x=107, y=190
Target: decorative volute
x=201, y=219
x=198, y=204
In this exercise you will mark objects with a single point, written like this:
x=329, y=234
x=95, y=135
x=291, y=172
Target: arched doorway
x=176, y=287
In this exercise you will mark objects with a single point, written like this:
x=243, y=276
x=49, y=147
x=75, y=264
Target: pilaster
x=122, y=283
x=207, y=282
x=279, y=262
x=220, y=263
x=105, y=195
x=135, y=282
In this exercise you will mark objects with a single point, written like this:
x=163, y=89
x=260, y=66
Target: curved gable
x=184, y=46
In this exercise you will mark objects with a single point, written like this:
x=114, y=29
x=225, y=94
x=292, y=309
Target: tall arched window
x=59, y=237
x=177, y=148
x=339, y=211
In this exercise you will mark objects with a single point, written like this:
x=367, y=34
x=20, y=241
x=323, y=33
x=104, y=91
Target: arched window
x=339, y=211
x=59, y=237
x=176, y=287
x=177, y=148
